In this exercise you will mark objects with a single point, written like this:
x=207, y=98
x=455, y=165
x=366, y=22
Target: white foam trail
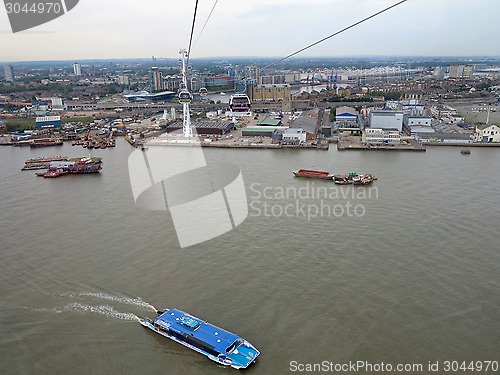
x=102, y=310
x=108, y=297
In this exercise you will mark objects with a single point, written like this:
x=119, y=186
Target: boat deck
x=208, y=333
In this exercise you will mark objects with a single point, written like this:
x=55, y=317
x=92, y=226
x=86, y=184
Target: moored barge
x=72, y=166
x=311, y=173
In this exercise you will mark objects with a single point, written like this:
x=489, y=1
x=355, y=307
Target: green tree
x=112, y=89
x=333, y=113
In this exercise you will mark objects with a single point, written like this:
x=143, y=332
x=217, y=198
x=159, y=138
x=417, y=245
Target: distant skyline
x=267, y=28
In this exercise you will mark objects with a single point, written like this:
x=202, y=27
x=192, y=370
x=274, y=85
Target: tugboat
x=310, y=173
x=219, y=345
x=363, y=179
x=53, y=173
x=342, y=179
x=354, y=179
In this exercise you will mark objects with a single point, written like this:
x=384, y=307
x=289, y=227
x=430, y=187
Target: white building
x=77, y=69
x=122, y=80
x=374, y=136
x=55, y=103
x=386, y=120
x=410, y=107
x=294, y=136
x=442, y=111
x=487, y=133
x=418, y=124
x=456, y=119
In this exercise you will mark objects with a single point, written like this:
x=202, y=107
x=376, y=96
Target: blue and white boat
x=219, y=345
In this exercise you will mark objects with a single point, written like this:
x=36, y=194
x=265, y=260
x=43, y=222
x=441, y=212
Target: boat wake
x=83, y=309
x=109, y=297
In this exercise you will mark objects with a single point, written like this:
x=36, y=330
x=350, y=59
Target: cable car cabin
x=239, y=103
x=185, y=97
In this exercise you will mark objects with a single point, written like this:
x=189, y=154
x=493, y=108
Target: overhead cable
x=335, y=34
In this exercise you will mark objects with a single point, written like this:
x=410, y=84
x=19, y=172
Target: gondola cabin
x=185, y=97
x=239, y=103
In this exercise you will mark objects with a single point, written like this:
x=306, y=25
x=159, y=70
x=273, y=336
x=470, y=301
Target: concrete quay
x=353, y=144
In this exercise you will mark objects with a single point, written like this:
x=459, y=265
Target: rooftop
x=204, y=331
x=269, y=122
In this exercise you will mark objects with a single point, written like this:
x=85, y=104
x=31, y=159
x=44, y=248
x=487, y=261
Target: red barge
x=311, y=173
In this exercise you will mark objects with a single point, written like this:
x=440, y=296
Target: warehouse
x=205, y=127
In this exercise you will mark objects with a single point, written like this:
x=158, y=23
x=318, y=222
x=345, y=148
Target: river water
x=406, y=271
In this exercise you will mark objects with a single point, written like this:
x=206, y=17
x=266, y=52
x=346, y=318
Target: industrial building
x=309, y=121
x=205, y=127
x=386, y=119
x=417, y=124
x=346, y=118
x=48, y=122
x=280, y=92
x=451, y=138
x=294, y=137
x=442, y=111
x=385, y=136
x=262, y=131
x=487, y=133
x=270, y=122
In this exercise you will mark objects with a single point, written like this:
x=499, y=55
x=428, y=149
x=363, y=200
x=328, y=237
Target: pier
x=354, y=144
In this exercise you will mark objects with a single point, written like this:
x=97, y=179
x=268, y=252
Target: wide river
x=405, y=272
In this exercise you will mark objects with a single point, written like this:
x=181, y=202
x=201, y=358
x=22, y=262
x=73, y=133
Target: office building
x=77, y=69
x=156, y=80
x=9, y=73
x=461, y=71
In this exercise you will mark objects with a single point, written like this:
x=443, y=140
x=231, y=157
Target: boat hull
x=313, y=174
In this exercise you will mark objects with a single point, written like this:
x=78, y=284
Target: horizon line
x=260, y=57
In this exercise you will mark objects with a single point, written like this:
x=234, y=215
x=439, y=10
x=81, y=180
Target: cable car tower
x=185, y=98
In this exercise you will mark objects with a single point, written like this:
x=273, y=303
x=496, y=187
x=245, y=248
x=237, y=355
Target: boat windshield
x=234, y=346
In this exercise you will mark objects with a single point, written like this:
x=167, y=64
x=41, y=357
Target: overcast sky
x=274, y=28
